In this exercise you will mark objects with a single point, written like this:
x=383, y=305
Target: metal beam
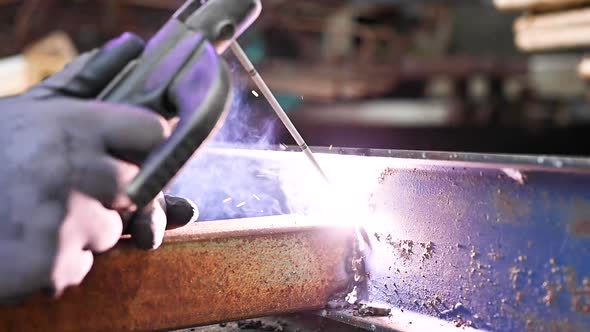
x=491, y=242
x=212, y=272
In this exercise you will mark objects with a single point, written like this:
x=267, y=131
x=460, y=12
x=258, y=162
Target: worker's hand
x=64, y=171
x=85, y=78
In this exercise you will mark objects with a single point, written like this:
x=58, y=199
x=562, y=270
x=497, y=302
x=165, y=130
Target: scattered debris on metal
x=372, y=309
x=261, y=326
x=387, y=173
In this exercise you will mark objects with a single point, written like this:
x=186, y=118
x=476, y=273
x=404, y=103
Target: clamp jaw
x=180, y=74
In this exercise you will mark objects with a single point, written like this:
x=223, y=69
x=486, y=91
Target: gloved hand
x=65, y=162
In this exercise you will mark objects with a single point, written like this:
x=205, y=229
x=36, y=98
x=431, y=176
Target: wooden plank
x=553, y=31
x=584, y=68
x=540, y=5
x=533, y=40
x=566, y=19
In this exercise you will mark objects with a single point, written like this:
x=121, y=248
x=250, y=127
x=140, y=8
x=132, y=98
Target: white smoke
x=225, y=186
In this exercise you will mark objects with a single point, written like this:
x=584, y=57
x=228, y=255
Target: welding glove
x=66, y=160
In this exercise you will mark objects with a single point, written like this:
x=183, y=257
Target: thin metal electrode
x=249, y=67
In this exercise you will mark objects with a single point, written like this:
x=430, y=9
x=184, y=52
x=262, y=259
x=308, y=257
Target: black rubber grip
x=195, y=127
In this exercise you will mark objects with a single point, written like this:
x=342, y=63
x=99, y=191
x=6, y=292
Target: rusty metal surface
x=212, y=272
x=495, y=242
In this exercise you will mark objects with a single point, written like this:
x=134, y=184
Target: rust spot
x=581, y=227
x=511, y=209
x=515, y=274
x=579, y=218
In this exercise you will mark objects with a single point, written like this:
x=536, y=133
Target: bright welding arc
x=249, y=67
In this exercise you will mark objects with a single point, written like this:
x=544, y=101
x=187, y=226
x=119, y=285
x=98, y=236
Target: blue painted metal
x=447, y=231
x=507, y=252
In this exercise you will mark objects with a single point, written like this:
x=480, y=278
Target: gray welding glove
x=85, y=78
x=63, y=174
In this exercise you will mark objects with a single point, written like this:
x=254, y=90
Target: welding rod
x=249, y=67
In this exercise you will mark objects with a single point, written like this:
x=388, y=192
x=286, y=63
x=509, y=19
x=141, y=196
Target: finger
x=71, y=268
x=180, y=212
x=51, y=86
x=128, y=132
x=147, y=227
x=105, y=66
x=104, y=179
x=89, y=225
x=91, y=72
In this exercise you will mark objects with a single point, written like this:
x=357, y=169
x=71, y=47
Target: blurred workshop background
x=454, y=75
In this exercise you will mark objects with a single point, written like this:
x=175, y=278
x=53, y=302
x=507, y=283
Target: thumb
x=167, y=212
x=91, y=72
x=180, y=211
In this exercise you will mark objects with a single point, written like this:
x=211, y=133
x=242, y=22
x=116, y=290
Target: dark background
x=426, y=75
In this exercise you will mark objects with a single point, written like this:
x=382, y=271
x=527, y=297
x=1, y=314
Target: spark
x=227, y=200
x=256, y=197
x=265, y=175
x=241, y=205
x=255, y=93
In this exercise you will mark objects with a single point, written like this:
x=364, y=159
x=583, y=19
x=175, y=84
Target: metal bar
x=545, y=163
x=480, y=248
x=494, y=242
x=212, y=272
x=276, y=106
